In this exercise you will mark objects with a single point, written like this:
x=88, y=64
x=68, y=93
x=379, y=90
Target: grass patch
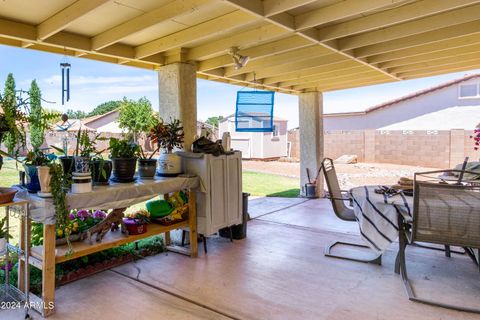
x=270, y=185
x=8, y=174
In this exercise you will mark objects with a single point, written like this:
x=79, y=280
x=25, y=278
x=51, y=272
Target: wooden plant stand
x=47, y=256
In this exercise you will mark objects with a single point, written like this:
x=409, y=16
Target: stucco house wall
x=404, y=110
x=257, y=145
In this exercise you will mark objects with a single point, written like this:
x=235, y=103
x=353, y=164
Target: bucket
x=310, y=190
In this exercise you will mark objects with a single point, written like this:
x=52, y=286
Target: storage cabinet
x=219, y=201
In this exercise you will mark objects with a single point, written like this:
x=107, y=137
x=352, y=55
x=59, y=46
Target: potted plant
x=147, y=166
x=32, y=162
x=136, y=222
x=83, y=152
x=168, y=136
x=101, y=170
x=124, y=159
x=3, y=234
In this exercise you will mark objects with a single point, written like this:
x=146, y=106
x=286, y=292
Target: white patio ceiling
x=294, y=45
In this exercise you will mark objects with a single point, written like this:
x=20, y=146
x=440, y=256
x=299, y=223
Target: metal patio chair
x=338, y=198
x=446, y=214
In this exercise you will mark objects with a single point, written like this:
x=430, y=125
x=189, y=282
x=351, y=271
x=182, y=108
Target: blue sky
x=94, y=82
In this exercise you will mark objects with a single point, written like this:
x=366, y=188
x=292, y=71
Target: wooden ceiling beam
x=420, y=39
x=279, y=59
x=329, y=70
x=357, y=80
x=364, y=72
x=473, y=58
x=432, y=56
x=273, y=7
x=338, y=11
x=256, y=7
x=430, y=23
x=256, y=35
x=257, y=52
x=216, y=26
x=388, y=18
x=432, y=71
x=349, y=86
x=66, y=17
x=298, y=65
x=447, y=44
x=164, y=13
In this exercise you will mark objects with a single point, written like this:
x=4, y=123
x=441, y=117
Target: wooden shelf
x=111, y=239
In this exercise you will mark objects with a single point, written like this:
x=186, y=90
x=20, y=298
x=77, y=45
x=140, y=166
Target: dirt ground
x=349, y=175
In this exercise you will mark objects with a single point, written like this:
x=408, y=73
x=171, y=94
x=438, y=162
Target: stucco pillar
x=311, y=137
x=177, y=86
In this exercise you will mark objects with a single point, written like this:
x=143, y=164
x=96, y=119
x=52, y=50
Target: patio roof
x=294, y=45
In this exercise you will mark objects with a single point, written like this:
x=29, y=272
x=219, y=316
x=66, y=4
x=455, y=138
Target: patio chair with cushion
x=447, y=214
x=338, y=198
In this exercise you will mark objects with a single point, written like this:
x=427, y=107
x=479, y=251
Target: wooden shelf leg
x=192, y=222
x=21, y=263
x=48, y=271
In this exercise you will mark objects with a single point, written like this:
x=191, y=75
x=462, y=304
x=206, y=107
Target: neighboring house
x=451, y=105
x=257, y=145
x=108, y=123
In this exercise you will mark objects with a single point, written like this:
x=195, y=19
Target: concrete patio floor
x=278, y=272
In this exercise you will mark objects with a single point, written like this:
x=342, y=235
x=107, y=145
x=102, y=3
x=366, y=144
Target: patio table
x=377, y=215
x=115, y=196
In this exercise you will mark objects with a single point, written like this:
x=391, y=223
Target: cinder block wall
x=439, y=149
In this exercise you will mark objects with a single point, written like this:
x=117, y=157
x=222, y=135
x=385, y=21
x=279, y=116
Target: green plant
x=144, y=156
x=136, y=116
x=37, y=126
x=122, y=148
x=168, y=135
x=3, y=229
x=37, y=158
x=59, y=186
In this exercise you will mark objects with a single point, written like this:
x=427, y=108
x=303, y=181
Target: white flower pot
x=3, y=244
x=169, y=165
x=45, y=178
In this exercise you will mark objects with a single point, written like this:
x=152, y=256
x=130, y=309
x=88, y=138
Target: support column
x=177, y=86
x=311, y=137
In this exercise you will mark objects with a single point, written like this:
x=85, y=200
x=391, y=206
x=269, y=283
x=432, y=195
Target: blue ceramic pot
x=33, y=183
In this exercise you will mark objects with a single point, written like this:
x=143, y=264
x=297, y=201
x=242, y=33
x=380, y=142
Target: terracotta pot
x=169, y=165
x=147, y=168
x=44, y=178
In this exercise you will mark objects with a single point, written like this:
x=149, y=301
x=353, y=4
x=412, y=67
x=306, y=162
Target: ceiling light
x=238, y=60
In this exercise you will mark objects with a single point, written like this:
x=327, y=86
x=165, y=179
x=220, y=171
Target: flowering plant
x=141, y=216
x=476, y=138
x=81, y=220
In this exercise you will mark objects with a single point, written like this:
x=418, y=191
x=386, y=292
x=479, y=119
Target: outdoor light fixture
x=239, y=60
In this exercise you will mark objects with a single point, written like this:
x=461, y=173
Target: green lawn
x=257, y=184
x=8, y=174
x=263, y=184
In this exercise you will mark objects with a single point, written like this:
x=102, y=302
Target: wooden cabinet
x=219, y=201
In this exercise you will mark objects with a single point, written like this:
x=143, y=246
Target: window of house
x=469, y=91
x=275, y=131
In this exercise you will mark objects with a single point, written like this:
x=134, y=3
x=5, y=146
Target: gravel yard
x=349, y=175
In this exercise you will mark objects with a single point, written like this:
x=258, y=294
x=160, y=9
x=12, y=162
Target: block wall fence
x=432, y=148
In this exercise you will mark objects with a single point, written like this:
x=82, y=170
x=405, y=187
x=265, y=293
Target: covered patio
x=300, y=47
x=278, y=272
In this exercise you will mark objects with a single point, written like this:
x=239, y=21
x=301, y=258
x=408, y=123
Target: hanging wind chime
x=65, y=67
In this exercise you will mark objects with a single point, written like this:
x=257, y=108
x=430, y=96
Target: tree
x=214, y=121
x=105, y=107
x=76, y=114
x=136, y=116
x=9, y=105
x=37, y=125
